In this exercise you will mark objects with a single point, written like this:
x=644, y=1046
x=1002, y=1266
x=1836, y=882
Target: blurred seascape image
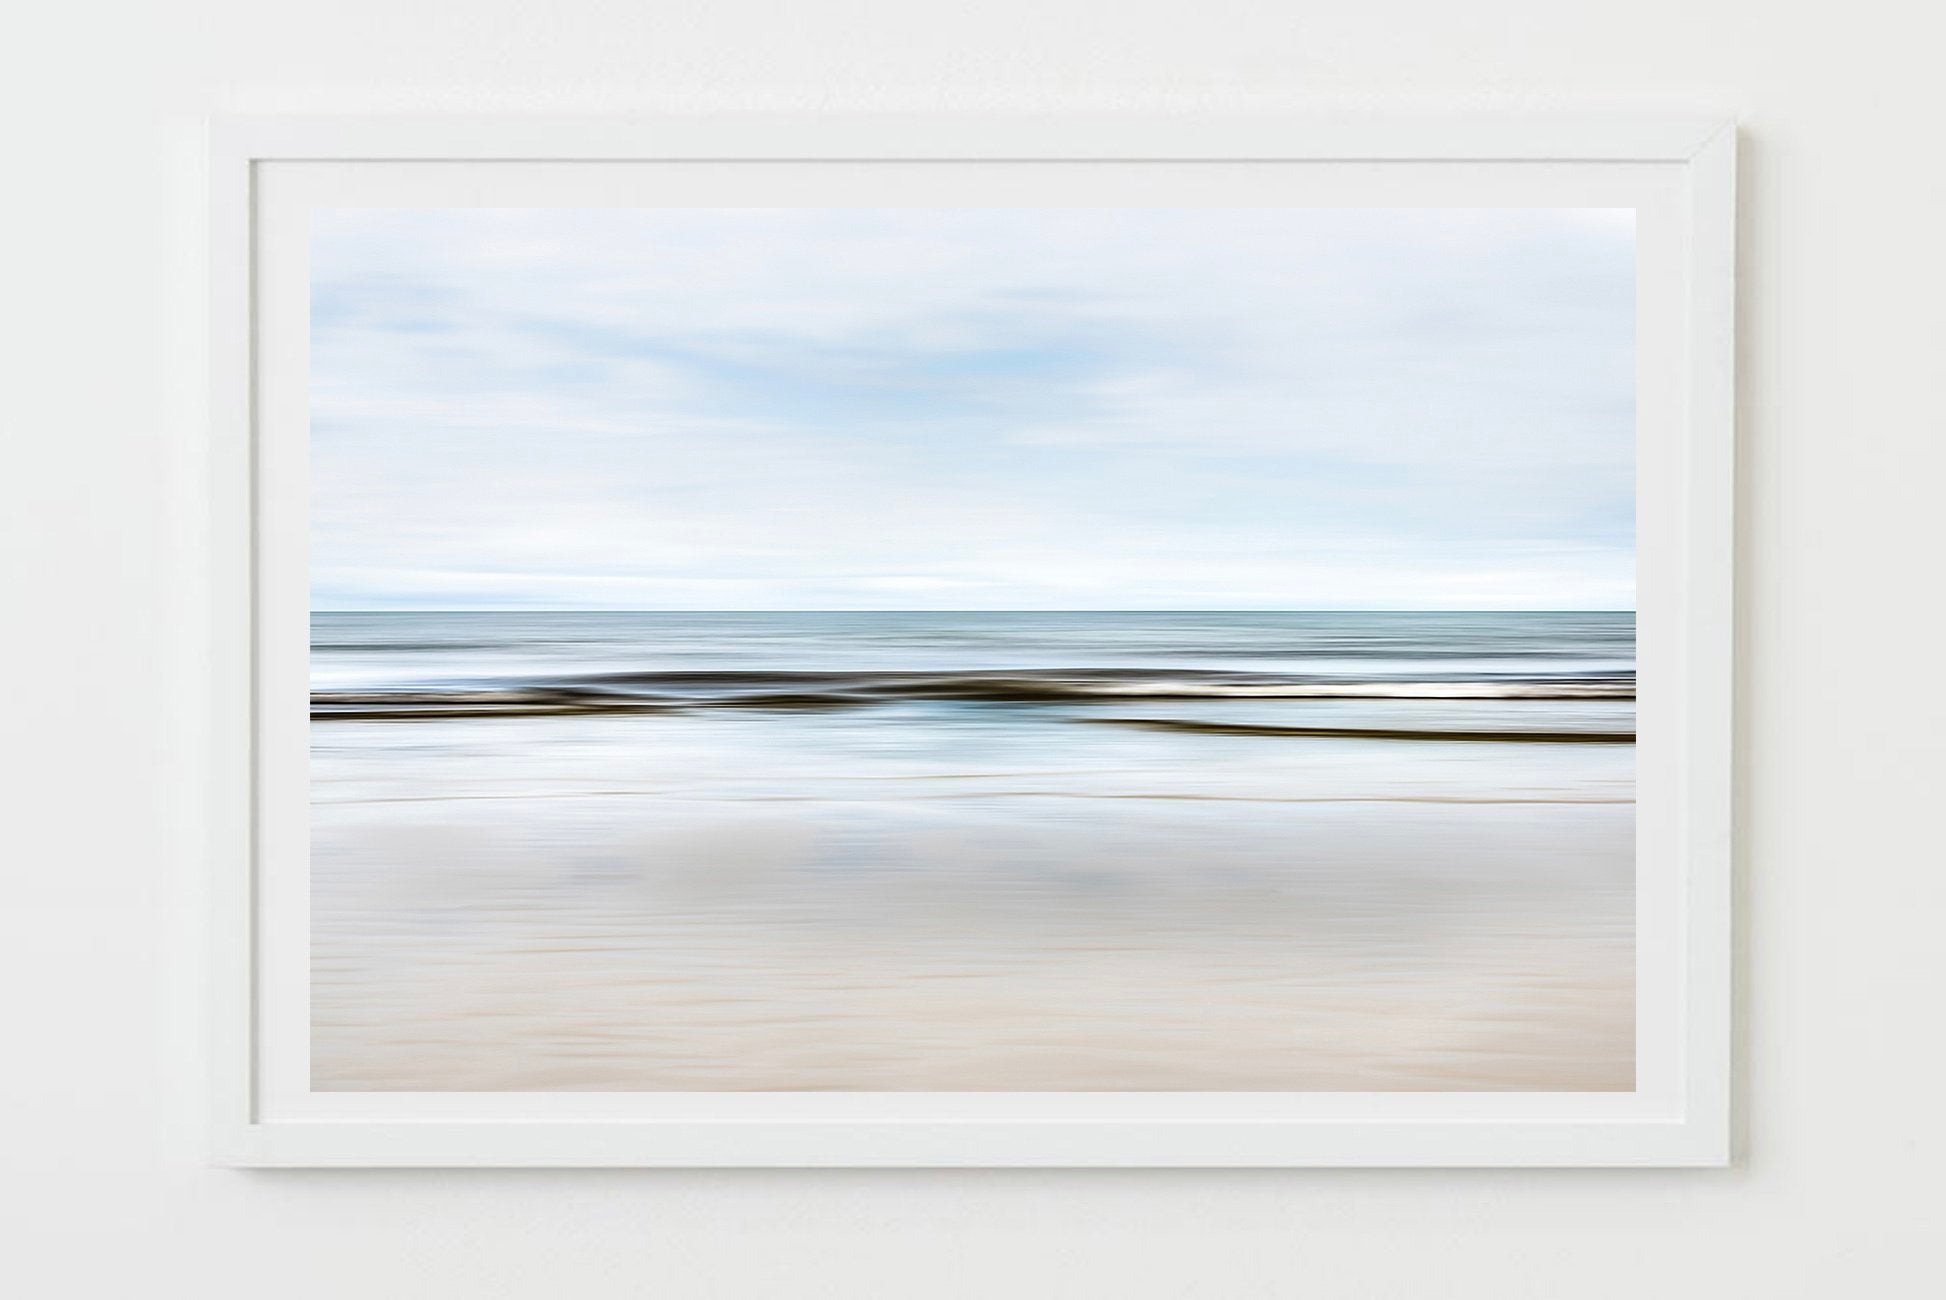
x=973, y=650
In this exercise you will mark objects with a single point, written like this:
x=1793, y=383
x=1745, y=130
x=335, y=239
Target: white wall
x=101, y=1163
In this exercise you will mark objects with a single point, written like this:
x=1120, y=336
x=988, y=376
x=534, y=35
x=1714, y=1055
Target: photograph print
x=932, y=650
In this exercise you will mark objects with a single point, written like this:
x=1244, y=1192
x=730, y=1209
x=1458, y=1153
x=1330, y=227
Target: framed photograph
x=957, y=641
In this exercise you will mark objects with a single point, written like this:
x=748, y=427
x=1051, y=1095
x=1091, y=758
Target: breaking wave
x=650, y=692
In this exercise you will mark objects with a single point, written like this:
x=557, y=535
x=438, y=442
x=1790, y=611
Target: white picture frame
x=262, y=173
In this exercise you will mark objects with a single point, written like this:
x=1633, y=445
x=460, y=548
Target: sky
x=1001, y=408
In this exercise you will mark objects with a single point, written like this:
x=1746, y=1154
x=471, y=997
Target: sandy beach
x=1175, y=945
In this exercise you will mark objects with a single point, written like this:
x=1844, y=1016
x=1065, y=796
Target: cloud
x=980, y=408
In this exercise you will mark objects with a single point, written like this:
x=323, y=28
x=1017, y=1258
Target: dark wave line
x=650, y=692
x=1047, y=679
x=403, y=706
x=1368, y=733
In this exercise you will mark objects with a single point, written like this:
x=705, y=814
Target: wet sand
x=953, y=939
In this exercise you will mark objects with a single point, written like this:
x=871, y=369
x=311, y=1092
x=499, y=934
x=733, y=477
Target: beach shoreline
x=1228, y=852
x=1161, y=945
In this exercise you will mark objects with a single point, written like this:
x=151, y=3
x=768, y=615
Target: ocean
x=935, y=851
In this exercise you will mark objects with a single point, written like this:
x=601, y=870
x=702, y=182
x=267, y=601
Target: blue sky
x=973, y=409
